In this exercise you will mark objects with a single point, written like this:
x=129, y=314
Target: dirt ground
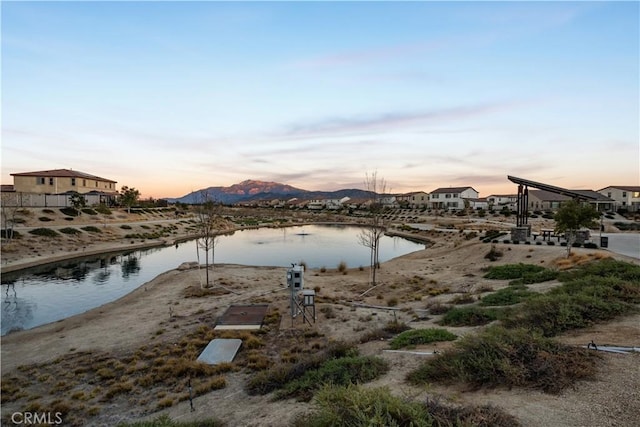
x=452, y=265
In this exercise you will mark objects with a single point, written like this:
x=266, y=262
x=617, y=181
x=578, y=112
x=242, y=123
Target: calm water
x=48, y=294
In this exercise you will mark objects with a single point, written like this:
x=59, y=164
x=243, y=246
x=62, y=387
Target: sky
x=173, y=97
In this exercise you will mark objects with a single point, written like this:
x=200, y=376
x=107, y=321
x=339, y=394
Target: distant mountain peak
x=252, y=189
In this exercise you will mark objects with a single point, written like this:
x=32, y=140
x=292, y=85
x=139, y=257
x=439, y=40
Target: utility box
x=604, y=242
x=295, y=277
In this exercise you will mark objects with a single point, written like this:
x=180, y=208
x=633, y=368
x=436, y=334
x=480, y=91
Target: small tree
x=373, y=232
x=207, y=214
x=571, y=217
x=9, y=212
x=78, y=201
x=129, y=197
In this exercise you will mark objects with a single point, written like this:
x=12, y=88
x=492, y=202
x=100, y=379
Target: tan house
x=415, y=199
x=59, y=181
x=624, y=196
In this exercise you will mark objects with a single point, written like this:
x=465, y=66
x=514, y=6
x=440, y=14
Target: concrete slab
x=220, y=350
x=249, y=316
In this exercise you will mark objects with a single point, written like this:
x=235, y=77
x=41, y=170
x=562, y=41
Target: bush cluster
x=509, y=357
x=46, y=232
x=413, y=337
x=359, y=406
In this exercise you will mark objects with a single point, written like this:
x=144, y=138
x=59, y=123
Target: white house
x=498, y=201
x=451, y=198
x=623, y=196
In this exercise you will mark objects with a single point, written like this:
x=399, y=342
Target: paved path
x=621, y=243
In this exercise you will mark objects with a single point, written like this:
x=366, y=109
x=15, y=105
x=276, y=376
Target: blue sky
x=170, y=97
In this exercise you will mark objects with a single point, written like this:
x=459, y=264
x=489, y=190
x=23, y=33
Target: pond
x=45, y=294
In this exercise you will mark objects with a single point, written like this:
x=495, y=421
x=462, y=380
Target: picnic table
x=546, y=233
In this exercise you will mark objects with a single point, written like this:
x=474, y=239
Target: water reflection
x=16, y=312
x=52, y=292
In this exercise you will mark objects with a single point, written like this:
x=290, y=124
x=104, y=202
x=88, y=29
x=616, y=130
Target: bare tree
x=370, y=235
x=9, y=212
x=207, y=214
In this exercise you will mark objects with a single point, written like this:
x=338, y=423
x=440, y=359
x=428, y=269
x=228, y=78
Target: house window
x=435, y=196
x=96, y=184
x=609, y=194
x=84, y=182
x=624, y=194
x=636, y=194
x=447, y=196
x=455, y=195
x=40, y=180
x=73, y=181
x=50, y=181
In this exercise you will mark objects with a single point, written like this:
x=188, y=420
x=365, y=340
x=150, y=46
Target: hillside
x=253, y=190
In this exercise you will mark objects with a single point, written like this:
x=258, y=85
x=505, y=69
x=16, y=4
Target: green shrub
x=46, y=232
x=103, y=209
x=511, y=271
x=165, y=421
x=125, y=227
x=48, y=211
x=509, y=358
x=70, y=230
x=469, y=316
x=506, y=296
x=627, y=226
x=92, y=229
x=359, y=406
x=69, y=211
x=89, y=211
x=45, y=219
x=282, y=373
x=342, y=371
x=414, y=337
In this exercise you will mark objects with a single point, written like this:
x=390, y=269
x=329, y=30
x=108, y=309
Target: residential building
x=623, y=196
x=54, y=187
x=59, y=181
x=415, y=199
x=451, y=198
x=547, y=201
x=498, y=201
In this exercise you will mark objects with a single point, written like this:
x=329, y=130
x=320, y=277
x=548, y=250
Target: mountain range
x=253, y=190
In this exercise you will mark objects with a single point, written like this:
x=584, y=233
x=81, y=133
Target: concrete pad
x=247, y=316
x=220, y=350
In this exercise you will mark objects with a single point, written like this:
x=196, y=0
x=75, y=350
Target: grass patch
x=359, y=406
x=469, y=316
x=165, y=421
x=414, y=337
x=342, y=371
x=509, y=358
x=590, y=294
x=506, y=296
x=92, y=229
x=45, y=232
x=70, y=230
x=511, y=271
x=280, y=374
x=70, y=211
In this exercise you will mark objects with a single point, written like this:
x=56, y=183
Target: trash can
x=604, y=242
